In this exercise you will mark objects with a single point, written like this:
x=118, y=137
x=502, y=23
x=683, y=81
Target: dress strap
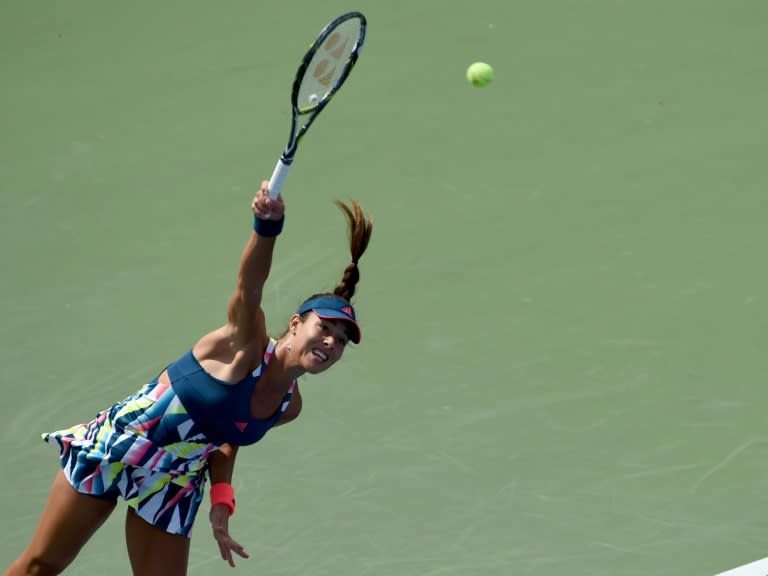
x=267, y=356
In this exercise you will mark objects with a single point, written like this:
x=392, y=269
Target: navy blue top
x=221, y=409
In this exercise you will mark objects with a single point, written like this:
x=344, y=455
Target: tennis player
x=155, y=448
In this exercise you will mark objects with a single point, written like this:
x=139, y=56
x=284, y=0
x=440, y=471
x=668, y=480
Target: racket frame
x=298, y=129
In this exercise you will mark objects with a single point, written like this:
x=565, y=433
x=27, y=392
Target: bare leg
x=152, y=550
x=69, y=519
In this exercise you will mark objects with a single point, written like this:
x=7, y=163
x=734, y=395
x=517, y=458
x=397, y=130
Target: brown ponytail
x=359, y=231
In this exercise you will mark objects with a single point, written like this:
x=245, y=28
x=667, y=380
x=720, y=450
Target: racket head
x=323, y=70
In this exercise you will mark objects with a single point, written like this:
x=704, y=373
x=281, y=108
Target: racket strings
x=328, y=65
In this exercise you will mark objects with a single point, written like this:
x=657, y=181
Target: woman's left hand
x=219, y=516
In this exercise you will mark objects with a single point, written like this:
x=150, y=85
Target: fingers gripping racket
x=321, y=73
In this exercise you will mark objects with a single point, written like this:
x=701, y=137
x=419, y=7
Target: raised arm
x=244, y=312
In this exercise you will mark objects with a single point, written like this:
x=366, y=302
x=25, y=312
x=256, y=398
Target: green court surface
x=563, y=306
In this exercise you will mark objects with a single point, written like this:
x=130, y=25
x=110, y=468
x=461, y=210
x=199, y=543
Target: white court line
x=759, y=568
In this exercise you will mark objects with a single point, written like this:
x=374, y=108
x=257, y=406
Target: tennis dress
x=152, y=448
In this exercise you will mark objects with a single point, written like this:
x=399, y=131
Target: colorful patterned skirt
x=145, y=449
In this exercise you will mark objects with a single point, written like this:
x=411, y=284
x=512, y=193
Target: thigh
x=152, y=550
x=68, y=521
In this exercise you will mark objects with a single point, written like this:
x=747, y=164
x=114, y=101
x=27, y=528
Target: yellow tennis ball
x=479, y=74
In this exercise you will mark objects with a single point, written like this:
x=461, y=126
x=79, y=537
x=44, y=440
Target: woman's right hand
x=265, y=207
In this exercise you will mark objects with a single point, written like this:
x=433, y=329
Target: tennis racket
x=321, y=73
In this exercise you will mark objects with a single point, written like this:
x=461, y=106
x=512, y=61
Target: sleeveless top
x=221, y=409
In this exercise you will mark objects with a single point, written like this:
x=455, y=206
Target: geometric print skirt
x=145, y=449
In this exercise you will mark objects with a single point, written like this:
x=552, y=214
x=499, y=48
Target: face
x=317, y=343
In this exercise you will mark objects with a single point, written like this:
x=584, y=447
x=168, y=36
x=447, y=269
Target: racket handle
x=278, y=177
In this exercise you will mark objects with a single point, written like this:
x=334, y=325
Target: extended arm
x=221, y=463
x=245, y=317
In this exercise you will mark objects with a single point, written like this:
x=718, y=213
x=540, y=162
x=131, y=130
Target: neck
x=285, y=362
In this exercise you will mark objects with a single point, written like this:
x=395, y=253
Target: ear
x=293, y=323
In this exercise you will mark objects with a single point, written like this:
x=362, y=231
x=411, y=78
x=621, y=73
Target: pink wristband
x=222, y=493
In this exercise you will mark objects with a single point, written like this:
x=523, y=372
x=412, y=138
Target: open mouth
x=319, y=354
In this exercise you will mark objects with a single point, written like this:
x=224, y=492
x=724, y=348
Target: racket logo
x=336, y=52
x=334, y=48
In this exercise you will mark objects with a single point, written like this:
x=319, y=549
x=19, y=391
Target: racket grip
x=277, y=179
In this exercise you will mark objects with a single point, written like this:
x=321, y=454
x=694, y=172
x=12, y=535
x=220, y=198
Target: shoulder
x=226, y=355
x=251, y=338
